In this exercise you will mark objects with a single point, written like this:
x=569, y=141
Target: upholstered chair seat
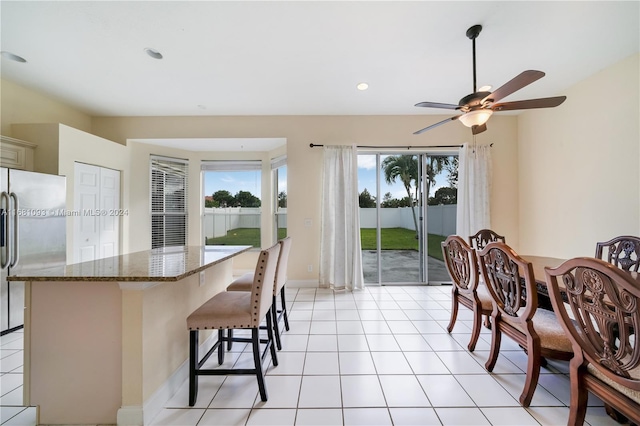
x=631, y=393
x=483, y=295
x=548, y=329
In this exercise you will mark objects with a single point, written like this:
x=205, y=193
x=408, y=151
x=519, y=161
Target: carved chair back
x=483, y=237
x=462, y=264
x=623, y=251
x=605, y=303
x=511, y=283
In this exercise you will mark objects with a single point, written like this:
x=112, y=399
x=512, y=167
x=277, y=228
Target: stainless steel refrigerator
x=32, y=234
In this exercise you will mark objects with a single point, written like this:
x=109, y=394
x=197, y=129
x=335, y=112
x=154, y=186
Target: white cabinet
x=16, y=153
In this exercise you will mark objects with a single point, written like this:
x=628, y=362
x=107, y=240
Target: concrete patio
x=401, y=266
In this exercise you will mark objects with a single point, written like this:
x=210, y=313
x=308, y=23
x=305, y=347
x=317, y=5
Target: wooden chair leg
x=276, y=330
x=579, y=396
x=533, y=373
x=284, y=309
x=487, y=322
x=193, y=363
x=454, y=310
x=496, y=337
x=257, y=361
x=475, y=333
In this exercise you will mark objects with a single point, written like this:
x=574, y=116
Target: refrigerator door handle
x=4, y=230
x=15, y=253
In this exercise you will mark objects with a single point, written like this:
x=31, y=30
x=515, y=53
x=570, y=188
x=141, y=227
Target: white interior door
x=96, y=212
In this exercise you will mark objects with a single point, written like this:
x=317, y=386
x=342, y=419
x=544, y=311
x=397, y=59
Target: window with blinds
x=168, y=201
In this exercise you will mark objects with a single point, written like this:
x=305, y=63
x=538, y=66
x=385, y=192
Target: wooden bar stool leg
x=284, y=310
x=272, y=348
x=221, y=347
x=257, y=360
x=276, y=330
x=193, y=364
x=230, y=341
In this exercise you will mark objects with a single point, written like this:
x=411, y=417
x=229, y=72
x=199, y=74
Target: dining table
x=538, y=264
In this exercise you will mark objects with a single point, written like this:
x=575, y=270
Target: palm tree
x=405, y=168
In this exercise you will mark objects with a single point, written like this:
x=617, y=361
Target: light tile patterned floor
x=380, y=356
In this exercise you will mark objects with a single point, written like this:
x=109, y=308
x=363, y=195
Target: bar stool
x=244, y=282
x=230, y=310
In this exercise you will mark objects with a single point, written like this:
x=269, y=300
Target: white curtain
x=340, y=248
x=474, y=190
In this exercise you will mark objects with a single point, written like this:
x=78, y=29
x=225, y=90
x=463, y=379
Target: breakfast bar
x=106, y=340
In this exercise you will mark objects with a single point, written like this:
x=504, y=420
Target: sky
x=250, y=180
x=240, y=181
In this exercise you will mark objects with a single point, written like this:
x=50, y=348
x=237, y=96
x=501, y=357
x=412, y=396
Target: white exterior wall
x=441, y=219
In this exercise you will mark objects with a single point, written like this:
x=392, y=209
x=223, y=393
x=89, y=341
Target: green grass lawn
x=243, y=237
x=392, y=239
x=400, y=239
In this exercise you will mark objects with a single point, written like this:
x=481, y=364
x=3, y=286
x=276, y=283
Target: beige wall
x=304, y=163
x=579, y=174
x=60, y=146
x=21, y=105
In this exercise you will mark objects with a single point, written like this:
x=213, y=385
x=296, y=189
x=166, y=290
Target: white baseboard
x=303, y=283
x=136, y=415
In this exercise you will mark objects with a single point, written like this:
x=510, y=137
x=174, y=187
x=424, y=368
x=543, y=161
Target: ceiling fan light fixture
x=476, y=117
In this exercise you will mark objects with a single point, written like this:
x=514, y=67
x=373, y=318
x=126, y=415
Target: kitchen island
x=106, y=341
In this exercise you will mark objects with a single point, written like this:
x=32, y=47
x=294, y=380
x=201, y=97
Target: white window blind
x=231, y=165
x=278, y=162
x=169, y=202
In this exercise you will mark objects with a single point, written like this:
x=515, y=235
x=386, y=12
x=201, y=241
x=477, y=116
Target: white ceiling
x=303, y=57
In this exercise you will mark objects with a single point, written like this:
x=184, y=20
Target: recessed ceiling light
x=12, y=56
x=485, y=88
x=153, y=53
x=362, y=86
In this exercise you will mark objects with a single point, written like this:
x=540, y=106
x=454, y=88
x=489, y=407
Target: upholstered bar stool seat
x=226, y=310
x=236, y=310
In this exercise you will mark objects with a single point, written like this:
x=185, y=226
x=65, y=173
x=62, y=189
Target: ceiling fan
x=477, y=107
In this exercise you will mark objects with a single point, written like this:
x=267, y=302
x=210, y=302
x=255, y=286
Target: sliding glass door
x=400, y=245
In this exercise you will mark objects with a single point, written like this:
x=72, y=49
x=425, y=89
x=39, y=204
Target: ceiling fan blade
x=530, y=104
x=518, y=82
x=478, y=129
x=439, y=123
x=437, y=105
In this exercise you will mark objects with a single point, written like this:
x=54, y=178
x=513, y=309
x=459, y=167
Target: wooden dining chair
x=462, y=265
x=512, y=286
x=622, y=251
x=604, y=302
x=483, y=237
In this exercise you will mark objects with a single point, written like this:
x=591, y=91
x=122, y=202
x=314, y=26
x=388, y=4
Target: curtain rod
x=311, y=145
